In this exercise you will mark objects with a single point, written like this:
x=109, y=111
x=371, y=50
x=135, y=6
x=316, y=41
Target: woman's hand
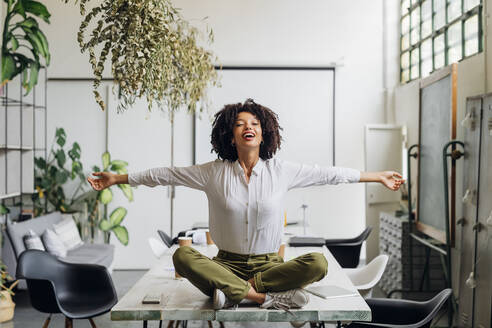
x=391, y=180
x=105, y=180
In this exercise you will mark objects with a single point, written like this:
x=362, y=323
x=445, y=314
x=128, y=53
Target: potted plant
x=51, y=175
x=112, y=223
x=23, y=42
x=7, y=283
x=153, y=52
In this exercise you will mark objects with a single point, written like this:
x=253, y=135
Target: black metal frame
x=478, y=10
x=7, y=102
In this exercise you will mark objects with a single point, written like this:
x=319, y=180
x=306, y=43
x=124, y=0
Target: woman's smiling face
x=247, y=131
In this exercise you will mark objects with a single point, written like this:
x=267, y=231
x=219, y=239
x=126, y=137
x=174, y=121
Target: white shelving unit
x=22, y=136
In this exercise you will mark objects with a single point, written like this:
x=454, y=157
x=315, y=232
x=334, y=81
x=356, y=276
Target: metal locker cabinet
x=471, y=126
x=483, y=292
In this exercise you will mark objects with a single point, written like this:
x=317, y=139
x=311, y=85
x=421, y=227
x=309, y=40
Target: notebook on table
x=306, y=241
x=330, y=291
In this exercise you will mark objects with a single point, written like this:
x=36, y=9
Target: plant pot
x=6, y=306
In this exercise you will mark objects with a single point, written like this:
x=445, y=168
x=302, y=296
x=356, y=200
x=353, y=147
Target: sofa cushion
x=101, y=254
x=33, y=241
x=18, y=230
x=53, y=244
x=68, y=233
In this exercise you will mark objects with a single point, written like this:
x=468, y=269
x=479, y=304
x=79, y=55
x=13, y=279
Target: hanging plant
x=21, y=30
x=153, y=51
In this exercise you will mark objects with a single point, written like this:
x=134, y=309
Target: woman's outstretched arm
x=107, y=179
x=390, y=179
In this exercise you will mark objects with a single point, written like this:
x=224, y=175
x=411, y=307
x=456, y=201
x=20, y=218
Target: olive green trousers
x=230, y=272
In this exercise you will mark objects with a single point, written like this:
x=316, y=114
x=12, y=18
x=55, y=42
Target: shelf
x=14, y=194
x=4, y=101
x=15, y=147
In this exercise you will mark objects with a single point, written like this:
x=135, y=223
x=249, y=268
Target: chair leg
x=170, y=324
x=210, y=324
x=68, y=323
x=222, y=325
x=47, y=321
x=93, y=325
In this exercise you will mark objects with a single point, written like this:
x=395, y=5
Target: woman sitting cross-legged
x=245, y=188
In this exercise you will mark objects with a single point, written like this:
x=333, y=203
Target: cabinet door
x=483, y=292
x=470, y=185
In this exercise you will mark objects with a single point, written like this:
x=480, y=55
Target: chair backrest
x=365, y=278
x=433, y=306
x=363, y=236
x=347, y=251
x=157, y=247
x=39, y=268
x=165, y=238
x=369, y=275
x=403, y=313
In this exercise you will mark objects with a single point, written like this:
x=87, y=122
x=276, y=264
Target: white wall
x=278, y=32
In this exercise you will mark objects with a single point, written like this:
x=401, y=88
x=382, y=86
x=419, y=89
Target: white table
x=182, y=301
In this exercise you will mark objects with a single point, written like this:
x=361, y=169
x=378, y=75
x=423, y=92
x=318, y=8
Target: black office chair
x=347, y=251
x=387, y=312
x=79, y=291
x=165, y=238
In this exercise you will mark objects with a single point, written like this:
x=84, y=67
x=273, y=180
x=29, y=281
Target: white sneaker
x=221, y=301
x=295, y=298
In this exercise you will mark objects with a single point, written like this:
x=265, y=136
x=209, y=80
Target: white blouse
x=246, y=218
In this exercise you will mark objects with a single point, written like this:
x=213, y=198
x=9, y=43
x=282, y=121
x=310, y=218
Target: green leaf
x=33, y=77
x=122, y=234
x=29, y=23
x=37, y=9
x=8, y=67
x=61, y=136
x=117, y=216
x=61, y=177
x=15, y=43
x=61, y=159
x=104, y=225
x=19, y=8
x=76, y=169
x=122, y=171
x=127, y=191
x=3, y=210
x=74, y=153
x=40, y=163
x=96, y=168
x=44, y=44
x=33, y=39
x=106, y=196
x=106, y=158
x=118, y=164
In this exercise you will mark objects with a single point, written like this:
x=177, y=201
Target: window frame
x=443, y=30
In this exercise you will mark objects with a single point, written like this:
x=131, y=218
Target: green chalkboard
x=436, y=128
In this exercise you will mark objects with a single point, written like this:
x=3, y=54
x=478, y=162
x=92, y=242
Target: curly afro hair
x=224, y=123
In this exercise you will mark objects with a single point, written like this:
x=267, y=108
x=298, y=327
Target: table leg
x=160, y=323
x=145, y=324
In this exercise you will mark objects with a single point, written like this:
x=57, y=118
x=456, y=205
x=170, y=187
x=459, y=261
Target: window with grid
x=436, y=33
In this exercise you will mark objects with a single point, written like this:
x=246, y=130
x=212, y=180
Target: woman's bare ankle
x=254, y=296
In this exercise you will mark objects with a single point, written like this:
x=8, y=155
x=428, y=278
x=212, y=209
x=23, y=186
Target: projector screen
x=302, y=97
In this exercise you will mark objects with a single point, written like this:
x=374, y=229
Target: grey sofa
x=13, y=246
